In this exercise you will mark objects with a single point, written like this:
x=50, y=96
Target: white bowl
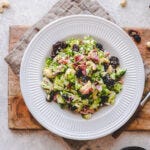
x=63, y=122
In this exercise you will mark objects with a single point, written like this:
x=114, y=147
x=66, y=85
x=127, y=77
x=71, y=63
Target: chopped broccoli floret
x=70, y=75
x=112, y=97
x=46, y=84
x=87, y=116
x=113, y=76
x=58, y=85
x=117, y=87
x=81, y=76
x=120, y=73
x=95, y=104
x=60, y=100
x=48, y=62
x=77, y=85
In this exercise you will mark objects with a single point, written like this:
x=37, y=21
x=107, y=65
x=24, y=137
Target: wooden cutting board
x=20, y=118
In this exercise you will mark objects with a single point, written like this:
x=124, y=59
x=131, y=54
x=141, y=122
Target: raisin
x=104, y=99
x=108, y=80
x=65, y=96
x=52, y=94
x=53, y=54
x=85, y=96
x=64, y=45
x=73, y=108
x=99, y=46
x=85, y=79
x=75, y=47
x=106, y=65
x=137, y=38
x=57, y=47
x=114, y=61
x=79, y=73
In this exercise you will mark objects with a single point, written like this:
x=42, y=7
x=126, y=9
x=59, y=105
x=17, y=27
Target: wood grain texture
x=18, y=114
x=142, y=119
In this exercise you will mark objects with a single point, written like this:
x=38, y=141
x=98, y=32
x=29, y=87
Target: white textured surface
x=28, y=12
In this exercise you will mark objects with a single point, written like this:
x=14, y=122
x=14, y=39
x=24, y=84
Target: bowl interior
x=113, y=52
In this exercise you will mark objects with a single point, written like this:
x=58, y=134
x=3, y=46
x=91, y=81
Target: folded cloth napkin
x=60, y=9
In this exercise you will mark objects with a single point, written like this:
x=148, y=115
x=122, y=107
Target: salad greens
x=81, y=76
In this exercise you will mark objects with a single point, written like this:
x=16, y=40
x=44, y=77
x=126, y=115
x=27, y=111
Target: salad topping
x=81, y=76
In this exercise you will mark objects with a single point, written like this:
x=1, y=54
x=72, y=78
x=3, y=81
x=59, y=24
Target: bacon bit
x=55, y=98
x=83, y=68
x=86, y=91
x=84, y=72
x=87, y=88
x=69, y=100
x=78, y=58
x=93, y=56
x=87, y=111
x=75, y=66
x=106, y=54
x=82, y=64
x=69, y=86
x=121, y=81
x=63, y=61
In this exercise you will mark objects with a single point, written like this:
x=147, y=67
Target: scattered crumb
x=123, y=3
x=1, y=9
x=4, y=4
x=132, y=32
x=148, y=44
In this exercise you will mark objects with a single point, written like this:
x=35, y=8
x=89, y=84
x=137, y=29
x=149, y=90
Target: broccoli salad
x=82, y=77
